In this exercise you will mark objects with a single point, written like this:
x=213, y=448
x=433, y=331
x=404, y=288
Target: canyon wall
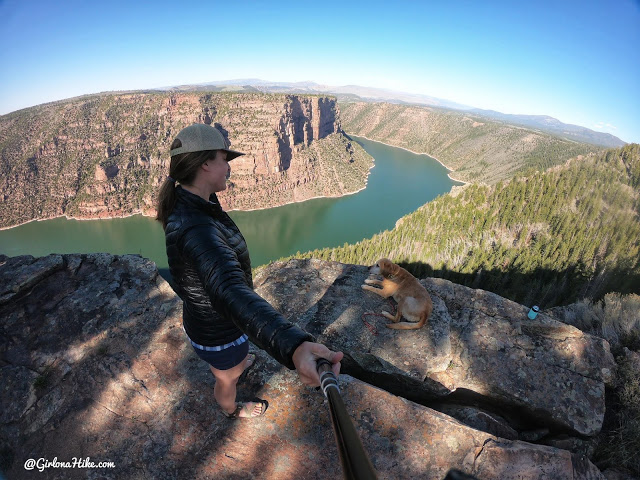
x=477, y=149
x=106, y=155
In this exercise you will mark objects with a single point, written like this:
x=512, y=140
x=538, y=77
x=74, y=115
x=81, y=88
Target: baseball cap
x=199, y=137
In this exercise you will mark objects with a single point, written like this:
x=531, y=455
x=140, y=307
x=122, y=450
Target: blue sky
x=578, y=61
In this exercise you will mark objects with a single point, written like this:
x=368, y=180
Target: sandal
x=242, y=406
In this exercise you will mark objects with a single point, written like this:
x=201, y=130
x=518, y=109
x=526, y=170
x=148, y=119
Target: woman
x=211, y=270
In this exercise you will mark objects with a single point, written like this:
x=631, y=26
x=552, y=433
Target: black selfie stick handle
x=355, y=461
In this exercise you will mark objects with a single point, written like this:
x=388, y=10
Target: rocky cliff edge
x=94, y=363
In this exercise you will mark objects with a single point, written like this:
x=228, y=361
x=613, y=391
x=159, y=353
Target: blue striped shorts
x=223, y=357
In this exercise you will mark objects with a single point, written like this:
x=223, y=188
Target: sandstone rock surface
x=93, y=363
x=477, y=347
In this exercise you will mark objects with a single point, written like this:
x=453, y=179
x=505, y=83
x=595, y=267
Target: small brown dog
x=413, y=299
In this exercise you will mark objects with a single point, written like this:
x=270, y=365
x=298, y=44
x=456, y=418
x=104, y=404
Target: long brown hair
x=182, y=169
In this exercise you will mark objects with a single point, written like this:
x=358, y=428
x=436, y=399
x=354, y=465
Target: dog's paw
x=390, y=317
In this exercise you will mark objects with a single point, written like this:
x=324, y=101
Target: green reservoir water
x=398, y=184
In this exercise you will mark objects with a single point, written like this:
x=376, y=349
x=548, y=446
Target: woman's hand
x=304, y=359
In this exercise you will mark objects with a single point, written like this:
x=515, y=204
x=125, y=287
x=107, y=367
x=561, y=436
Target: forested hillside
x=550, y=238
x=477, y=149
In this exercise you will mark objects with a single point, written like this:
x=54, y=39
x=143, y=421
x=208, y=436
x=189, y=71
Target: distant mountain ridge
x=370, y=94
x=555, y=126
x=477, y=149
x=345, y=92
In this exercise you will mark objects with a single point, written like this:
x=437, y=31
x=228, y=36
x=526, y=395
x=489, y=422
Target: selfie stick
x=355, y=462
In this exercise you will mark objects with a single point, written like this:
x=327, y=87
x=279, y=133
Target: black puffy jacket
x=211, y=270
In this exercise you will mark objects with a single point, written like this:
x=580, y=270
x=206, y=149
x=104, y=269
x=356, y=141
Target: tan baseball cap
x=199, y=137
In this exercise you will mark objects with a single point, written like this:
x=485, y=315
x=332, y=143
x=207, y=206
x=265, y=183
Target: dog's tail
x=410, y=325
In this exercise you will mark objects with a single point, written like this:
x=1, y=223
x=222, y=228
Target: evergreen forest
x=547, y=238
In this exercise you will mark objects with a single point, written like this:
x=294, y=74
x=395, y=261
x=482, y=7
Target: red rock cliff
x=106, y=155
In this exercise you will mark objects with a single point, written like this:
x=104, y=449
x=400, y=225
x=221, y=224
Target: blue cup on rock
x=533, y=312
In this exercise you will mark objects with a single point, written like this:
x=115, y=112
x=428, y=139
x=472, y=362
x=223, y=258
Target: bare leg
x=225, y=390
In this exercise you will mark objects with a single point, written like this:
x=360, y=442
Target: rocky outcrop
x=478, y=348
x=106, y=155
x=93, y=363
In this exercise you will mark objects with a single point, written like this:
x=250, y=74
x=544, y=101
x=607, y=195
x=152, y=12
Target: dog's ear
x=395, y=268
x=385, y=264
x=390, y=267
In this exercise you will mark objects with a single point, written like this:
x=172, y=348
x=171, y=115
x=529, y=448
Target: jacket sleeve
x=224, y=281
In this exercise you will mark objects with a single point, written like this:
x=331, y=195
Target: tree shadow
x=543, y=287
